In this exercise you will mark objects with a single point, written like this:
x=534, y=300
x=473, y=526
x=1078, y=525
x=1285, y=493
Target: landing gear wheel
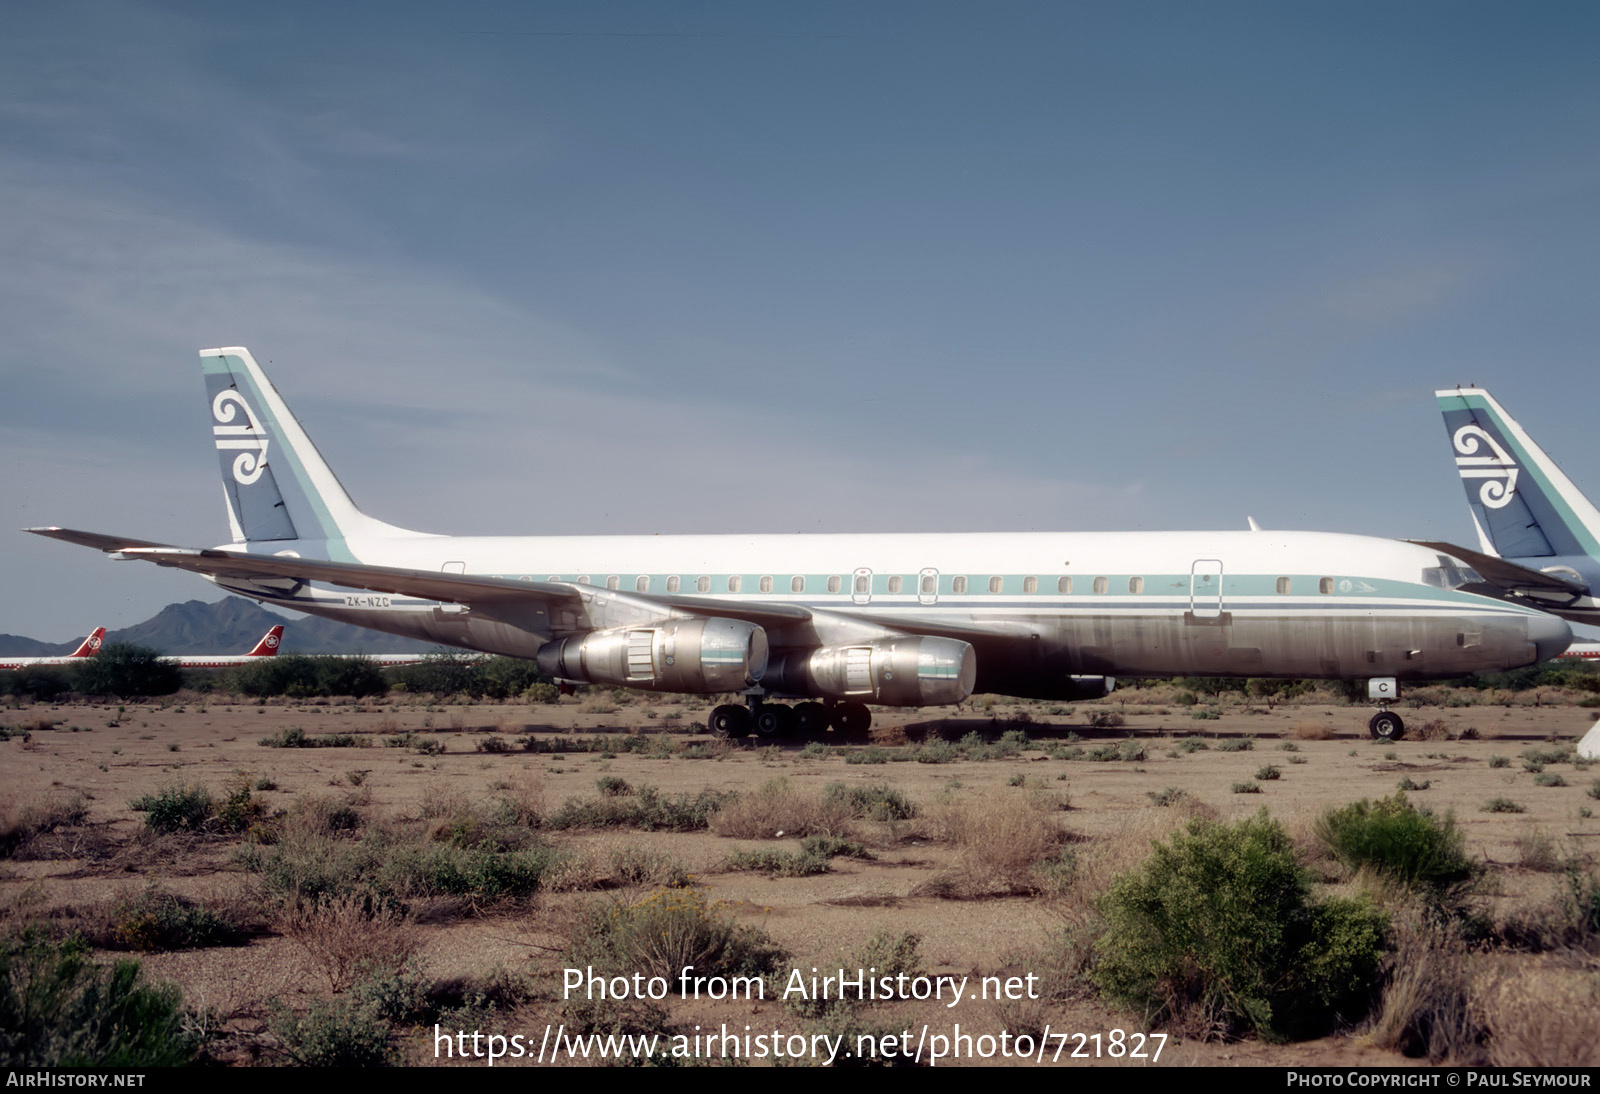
x=729, y=721
x=1386, y=725
x=809, y=718
x=774, y=720
x=852, y=719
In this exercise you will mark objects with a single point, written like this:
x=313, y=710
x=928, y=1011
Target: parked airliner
x=839, y=621
x=1539, y=536
x=87, y=648
x=267, y=647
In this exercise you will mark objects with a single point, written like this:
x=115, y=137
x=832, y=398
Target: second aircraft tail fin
x=268, y=646
x=1522, y=503
x=91, y=645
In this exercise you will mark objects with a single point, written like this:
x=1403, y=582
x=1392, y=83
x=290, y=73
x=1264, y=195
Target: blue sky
x=611, y=267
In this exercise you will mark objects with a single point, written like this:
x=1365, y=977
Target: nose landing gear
x=1385, y=725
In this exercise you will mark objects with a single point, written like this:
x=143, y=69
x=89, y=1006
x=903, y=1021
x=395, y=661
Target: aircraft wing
x=1509, y=577
x=509, y=598
x=494, y=596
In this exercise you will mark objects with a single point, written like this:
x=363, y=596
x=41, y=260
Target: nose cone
x=1549, y=635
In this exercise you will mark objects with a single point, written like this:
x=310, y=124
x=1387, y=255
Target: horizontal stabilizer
x=1510, y=577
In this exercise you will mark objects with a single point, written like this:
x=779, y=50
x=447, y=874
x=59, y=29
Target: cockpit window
x=1450, y=574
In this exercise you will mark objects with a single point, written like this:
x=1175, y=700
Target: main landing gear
x=1385, y=725
x=774, y=720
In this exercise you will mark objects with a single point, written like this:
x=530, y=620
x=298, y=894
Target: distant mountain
x=229, y=626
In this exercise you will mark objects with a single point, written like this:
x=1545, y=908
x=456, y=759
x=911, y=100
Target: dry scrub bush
x=1426, y=1008
x=1311, y=731
x=1541, y=1017
x=778, y=809
x=439, y=800
x=576, y=872
x=1436, y=729
x=20, y=823
x=523, y=800
x=351, y=937
x=1002, y=846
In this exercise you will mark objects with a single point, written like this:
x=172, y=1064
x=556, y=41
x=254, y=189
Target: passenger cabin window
x=642, y=584
x=583, y=579
x=1284, y=585
x=996, y=584
x=766, y=583
x=613, y=582
x=863, y=584
x=703, y=584
x=797, y=584
x=672, y=583
x=834, y=585
x=930, y=585
x=958, y=585
x=1030, y=584
x=1325, y=585
x=1136, y=585
x=734, y=583
x=1101, y=585
x=1064, y=585
x=894, y=583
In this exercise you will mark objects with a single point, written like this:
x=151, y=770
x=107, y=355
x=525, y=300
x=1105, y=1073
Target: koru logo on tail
x=1498, y=468
x=250, y=436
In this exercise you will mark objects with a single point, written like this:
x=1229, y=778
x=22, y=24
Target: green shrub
x=158, y=920
x=834, y=846
x=1246, y=788
x=335, y=1033
x=664, y=933
x=239, y=808
x=295, y=737
x=1503, y=805
x=648, y=809
x=1394, y=838
x=1218, y=923
x=776, y=863
x=174, y=808
x=124, y=670
x=542, y=693
x=1268, y=773
x=1236, y=744
x=481, y=873
x=873, y=801
x=937, y=752
x=58, y=1009
x=872, y=754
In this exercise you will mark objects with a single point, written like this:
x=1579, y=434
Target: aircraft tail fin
x=268, y=646
x=91, y=645
x=276, y=484
x=1524, y=506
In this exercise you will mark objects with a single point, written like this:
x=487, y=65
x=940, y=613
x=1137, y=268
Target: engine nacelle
x=700, y=656
x=912, y=671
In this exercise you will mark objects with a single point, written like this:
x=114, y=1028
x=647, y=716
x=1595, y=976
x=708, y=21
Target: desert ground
x=82, y=858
